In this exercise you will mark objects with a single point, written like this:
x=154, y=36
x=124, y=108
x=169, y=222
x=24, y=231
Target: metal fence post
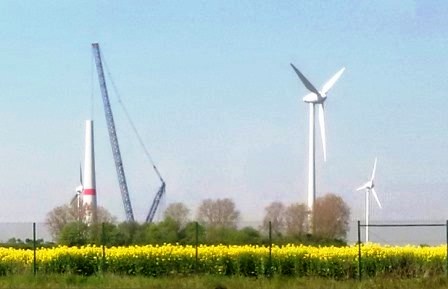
x=196, y=247
x=34, y=250
x=103, y=240
x=270, y=250
x=446, y=226
x=359, y=251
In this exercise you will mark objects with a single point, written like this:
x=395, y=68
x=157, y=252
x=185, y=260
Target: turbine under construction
x=89, y=187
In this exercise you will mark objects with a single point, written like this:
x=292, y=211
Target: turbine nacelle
x=77, y=196
x=79, y=190
x=314, y=98
x=369, y=185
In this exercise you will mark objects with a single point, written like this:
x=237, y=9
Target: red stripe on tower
x=90, y=192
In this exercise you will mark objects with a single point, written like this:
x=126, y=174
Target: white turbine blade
x=305, y=81
x=322, y=129
x=374, y=170
x=80, y=174
x=74, y=199
x=363, y=187
x=376, y=198
x=329, y=84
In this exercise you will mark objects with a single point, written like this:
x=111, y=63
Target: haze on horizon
x=210, y=88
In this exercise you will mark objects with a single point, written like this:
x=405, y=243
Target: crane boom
x=113, y=135
x=155, y=203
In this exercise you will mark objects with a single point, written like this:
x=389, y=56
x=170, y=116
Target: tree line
x=216, y=222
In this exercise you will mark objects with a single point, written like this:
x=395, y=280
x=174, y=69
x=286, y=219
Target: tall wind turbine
x=314, y=98
x=369, y=187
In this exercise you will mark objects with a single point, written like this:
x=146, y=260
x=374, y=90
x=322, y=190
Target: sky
x=210, y=88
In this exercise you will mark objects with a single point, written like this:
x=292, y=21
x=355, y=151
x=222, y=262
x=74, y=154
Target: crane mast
x=113, y=135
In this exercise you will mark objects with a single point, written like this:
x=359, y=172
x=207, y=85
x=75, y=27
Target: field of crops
x=291, y=260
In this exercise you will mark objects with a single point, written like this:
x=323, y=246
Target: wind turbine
x=369, y=187
x=314, y=98
x=77, y=197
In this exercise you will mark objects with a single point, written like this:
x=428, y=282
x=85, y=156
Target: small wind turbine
x=369, y=188
x=318, y=98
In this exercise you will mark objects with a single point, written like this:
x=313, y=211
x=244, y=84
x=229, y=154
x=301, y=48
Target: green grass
x=212, y=282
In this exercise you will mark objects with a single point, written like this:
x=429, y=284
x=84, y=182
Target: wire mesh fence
x=205, y=250
x=395, y=233
x=399, y=235
x=22, y=233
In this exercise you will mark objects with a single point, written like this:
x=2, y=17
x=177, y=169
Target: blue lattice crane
x=113, y=135
x=116, y=148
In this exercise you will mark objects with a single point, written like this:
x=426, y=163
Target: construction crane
x=113, y=135
x=157, y=198
x=116, y=149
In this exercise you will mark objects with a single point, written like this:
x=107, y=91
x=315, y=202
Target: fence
x=27, y=236
x=404, y=225
x=299, y=263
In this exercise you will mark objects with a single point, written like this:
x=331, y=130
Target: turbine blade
x=329, y=84
x=74, y=199
x=376, y=198
x=322, y=129
x=305, y=81
x=374, y=169
x=363, y=187
x=80, y=174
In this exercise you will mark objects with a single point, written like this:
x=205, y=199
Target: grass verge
x=212, y=282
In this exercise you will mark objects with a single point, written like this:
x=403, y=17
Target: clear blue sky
x=210, y=88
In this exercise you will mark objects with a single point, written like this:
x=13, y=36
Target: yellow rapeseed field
x=247, y=260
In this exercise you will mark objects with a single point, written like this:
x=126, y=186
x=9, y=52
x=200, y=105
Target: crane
x=157, y=198
x=116, y=149
x=113, y=135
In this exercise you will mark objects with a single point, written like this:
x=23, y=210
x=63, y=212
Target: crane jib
x=155, y=203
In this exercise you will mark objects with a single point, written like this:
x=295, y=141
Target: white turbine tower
x=314, y=98
x=89, y=187
x=369, y=188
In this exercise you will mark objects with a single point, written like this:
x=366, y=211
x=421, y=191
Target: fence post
x=270, y=250
x=359, y=251
x=34, y=250
x=103, y=237
x=446, y=226
x=196, y=245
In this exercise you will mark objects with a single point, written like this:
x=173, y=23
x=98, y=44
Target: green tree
x=221, y=235
x=166, y=231
x=74, y=234
x=132, y=233
x=107, y=234
x=187, y=235
x=249, y=235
